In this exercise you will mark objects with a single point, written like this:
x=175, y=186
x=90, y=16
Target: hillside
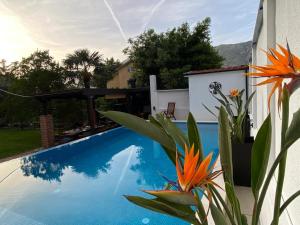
x=235, y=54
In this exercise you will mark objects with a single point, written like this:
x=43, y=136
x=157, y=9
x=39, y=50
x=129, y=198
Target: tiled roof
x=224, y=69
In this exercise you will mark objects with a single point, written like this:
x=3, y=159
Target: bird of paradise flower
x=192, y=175
x=283, y=65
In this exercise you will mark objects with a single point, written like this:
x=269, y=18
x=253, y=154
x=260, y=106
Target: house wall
x=280, y=23
x=160, y=99
x=199, y=93
x=120, y=79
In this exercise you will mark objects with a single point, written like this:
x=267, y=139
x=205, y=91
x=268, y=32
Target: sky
x=105, y=25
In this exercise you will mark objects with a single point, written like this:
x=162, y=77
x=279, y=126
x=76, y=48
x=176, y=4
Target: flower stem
x=282, y=165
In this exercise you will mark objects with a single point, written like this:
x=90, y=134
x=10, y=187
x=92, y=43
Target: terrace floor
x=245, y=196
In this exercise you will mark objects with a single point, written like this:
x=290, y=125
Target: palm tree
x=6, y=74
x=83, y=63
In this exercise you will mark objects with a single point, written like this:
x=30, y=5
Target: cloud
x=65, y=25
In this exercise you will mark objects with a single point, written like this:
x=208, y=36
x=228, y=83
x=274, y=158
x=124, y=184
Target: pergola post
x=46, y=126
x=91, y=111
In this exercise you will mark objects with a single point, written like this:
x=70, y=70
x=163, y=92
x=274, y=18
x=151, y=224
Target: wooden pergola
x=46, y=120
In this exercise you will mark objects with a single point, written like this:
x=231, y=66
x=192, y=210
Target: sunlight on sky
x=15, y=41
x=63, y=26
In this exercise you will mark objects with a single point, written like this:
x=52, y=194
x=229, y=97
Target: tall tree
x=168, y=55
x=36, y=74
x=83, y=63
x=105, y=71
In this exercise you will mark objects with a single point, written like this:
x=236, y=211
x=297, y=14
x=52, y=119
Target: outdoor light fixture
x=214, y=87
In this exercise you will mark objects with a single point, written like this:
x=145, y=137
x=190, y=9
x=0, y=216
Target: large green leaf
x=260, y=155
x=218, y=216
x=194, y=136
x=293, y=132
x=175, y=132
x=180, y=197
x=158, y=205
x=148, y=129
x=155, y=122
x=225, y=145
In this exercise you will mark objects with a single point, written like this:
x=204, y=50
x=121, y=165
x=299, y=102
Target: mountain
x=235, y=54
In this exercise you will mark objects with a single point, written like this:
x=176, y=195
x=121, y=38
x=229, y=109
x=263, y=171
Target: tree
x=168, y=55
x=82, y=64
x=36, y=74
x=105, y=71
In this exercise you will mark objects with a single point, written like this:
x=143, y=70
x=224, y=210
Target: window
x=130, y=69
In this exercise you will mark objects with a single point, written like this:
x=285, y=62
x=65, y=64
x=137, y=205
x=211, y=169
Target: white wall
x=199, y=92
x=280, y=22
x=161, y=98
x=288, y=28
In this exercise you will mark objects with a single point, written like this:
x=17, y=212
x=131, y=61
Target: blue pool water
x=83, y=183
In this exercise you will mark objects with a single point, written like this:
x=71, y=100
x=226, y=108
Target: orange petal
x=179, y=171
x=202, y=171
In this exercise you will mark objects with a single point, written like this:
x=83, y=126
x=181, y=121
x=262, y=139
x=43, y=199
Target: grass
x=16, y=141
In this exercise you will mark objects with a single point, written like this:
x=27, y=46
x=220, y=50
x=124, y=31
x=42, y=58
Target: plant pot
x=241, y=161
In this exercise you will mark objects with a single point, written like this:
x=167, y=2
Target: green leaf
x=239, y=129
x=155, y=122
x=218, y=216
x=164, y=207
x=201, y=210
x=193, y=134
x=148, y=129
x=175, y=132
x=244, y=220
x=229, y=212
x=260, y=155
x=248, y=101
x=211, y=112
x=225, y=146
x=293, y=132
x=233, y=201
x=226, y=104
x=183, y=198
x=289, y=201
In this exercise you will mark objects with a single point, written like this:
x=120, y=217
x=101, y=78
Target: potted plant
x=239, y=122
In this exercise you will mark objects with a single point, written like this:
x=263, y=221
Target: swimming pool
x=83, y=182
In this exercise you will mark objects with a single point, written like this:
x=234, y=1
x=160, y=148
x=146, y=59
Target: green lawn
x=16, y=141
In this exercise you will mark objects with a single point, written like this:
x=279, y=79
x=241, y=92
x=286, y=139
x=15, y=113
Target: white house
x=199, y=88
x=278, y=21
x=198, y=93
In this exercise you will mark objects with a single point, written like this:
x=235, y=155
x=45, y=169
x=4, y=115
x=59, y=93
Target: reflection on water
x=50, y=165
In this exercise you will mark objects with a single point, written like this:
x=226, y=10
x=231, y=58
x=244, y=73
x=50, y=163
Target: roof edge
x=258, y=23
x=224, y=69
